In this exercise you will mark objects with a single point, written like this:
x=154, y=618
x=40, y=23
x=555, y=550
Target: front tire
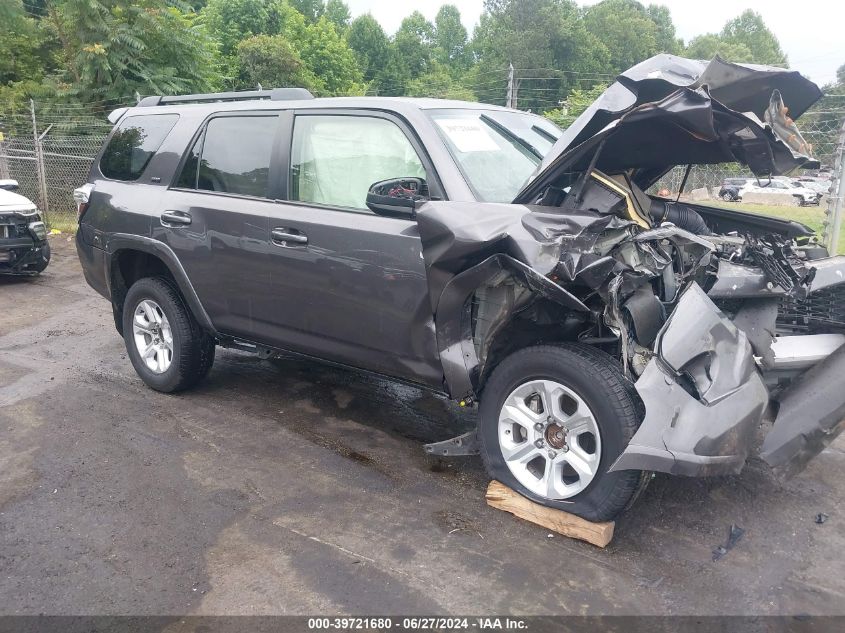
x=552, y=421
x=167, y=347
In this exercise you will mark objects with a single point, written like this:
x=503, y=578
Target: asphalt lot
x=286, y=487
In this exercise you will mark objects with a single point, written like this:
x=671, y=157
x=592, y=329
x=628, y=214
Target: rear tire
x=588, y=404
x=167, y=347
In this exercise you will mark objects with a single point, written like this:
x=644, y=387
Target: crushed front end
x=721, y=320
x=24, y=248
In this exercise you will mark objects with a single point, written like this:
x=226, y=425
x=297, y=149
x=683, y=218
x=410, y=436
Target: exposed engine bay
x=721, y=319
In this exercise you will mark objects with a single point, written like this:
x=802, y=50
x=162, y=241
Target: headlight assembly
x=38, y=229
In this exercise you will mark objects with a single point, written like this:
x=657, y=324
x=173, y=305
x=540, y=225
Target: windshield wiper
x=501, y=129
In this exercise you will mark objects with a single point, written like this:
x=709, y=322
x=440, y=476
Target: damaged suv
x=24, y=249
x=604, y=333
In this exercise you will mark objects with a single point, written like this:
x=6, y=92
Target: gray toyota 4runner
x=604, y=333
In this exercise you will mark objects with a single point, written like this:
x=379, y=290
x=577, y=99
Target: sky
x=812, y=34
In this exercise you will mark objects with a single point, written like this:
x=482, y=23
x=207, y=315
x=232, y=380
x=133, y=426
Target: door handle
x=175, y=218
x=288, y=237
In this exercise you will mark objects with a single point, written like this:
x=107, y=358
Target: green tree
x=271, y=61
x=574, y=105
x=115, y=48
x=326, y=54
x=708, y=46
x=413, y=43
x=450, y=39
x=370, y=43
x=311, y=9
x=750, y=30
x=231, y=21
x=626, y=29
x=22, y=47
x=743, y=39
x=439, y=83
x=547, y=43
x=337, y=12
x=392, y=78
x=666, y=37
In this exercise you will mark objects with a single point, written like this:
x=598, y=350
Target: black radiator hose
x=680, y=215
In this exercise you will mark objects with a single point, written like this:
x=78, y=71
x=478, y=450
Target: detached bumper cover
x=703, y=395
x=17, y=254
x=810, y=416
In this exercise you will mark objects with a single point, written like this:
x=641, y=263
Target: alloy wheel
x=153, y=336
x=549, y=439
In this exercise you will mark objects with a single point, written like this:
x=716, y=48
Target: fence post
x=44, y=205
x=5, y=174
x=833, y=222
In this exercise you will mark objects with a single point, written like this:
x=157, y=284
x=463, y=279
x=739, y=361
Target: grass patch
x=65, y=225
x=811, y=216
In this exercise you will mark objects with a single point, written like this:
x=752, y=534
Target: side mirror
x=397, y=197
x=9, y=185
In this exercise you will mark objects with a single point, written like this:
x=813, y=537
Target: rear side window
x=232, y=156
x=134, y=143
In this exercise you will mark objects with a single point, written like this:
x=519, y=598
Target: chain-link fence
x=821, y=133
x=64, y=161
x=50, y=152
x=822, y=128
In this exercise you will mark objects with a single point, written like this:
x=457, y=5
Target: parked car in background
x=819, y=185
x=729, y=191
x=24, y=249
x=802, y=195
x=737, y=182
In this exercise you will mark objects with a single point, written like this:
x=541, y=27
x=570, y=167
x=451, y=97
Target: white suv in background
x=803, y=195
x=24, y=249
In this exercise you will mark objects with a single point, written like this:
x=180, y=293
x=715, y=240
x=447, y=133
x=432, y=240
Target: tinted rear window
x=235, y=156
x=134, y=143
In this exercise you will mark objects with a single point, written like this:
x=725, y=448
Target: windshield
x=497, y=151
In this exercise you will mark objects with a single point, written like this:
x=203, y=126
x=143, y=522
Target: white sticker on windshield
x=468, y=135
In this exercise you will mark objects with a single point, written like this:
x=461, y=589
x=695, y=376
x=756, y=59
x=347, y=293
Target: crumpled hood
x=669, y=111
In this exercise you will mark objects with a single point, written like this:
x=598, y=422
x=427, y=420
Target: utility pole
x=833, y=221
x=512, y=89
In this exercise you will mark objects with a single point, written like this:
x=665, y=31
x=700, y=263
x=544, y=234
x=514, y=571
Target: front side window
x=335, y=158
x=134, y=143
x=232, y=156
x=497, y=151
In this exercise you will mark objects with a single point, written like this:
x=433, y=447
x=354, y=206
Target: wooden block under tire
x=503, y=498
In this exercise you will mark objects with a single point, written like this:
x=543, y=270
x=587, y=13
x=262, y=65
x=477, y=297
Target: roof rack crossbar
x=276, y=94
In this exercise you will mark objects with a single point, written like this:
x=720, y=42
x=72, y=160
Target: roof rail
x=276, y=94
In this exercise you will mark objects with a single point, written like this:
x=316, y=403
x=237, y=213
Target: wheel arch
x=467, y=355
x=132, y=257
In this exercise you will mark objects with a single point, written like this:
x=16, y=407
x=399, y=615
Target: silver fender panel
x=702, y=392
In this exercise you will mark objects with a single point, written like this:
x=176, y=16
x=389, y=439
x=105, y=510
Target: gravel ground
x=287, y=487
